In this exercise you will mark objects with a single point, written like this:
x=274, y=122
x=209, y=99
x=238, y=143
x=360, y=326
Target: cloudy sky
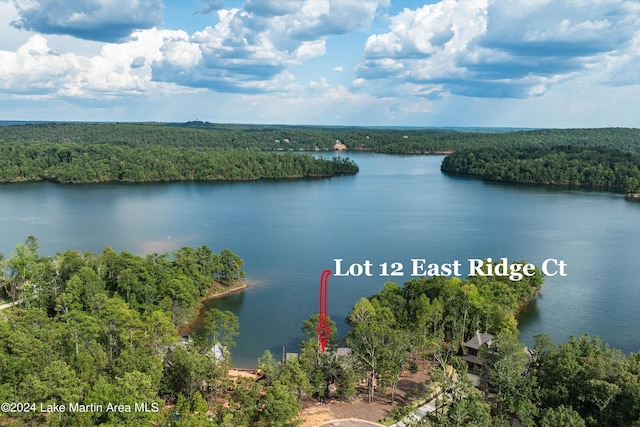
x=512, y=63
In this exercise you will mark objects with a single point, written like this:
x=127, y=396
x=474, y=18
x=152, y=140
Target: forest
x=96, y=163
x=595, y=167
x=426, y=322
x=204, y=135
x=93, y=329
x=152, y=152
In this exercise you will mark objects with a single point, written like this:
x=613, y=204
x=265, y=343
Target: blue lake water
x=397, y=208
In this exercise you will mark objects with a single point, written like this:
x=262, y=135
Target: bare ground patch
x=409, y=388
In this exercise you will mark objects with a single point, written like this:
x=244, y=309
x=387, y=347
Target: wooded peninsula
x=596, y=167
x=89, y=332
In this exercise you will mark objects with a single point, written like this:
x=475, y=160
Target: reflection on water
x=530, y=312
x=232, y=301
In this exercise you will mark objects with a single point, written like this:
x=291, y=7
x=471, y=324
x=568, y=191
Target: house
x=472, y=349
x=339, y=146
x=218, y=352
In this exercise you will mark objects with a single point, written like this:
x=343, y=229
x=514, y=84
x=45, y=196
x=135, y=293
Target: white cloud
x=119, y=70
x=310, y=49
x=338, y=69
x=310, y=19
x=500, y=48
x=318, y=103
x=34, y=68
x=273, y=7
x=317, y=18
x=103, y=20
x=425, y=44
x=237, y=54
x=10, y=37
x=178, y=50
x=250, y=50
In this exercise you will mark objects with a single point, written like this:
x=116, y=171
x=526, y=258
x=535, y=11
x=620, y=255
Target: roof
x=288, y=357
x=478, y=340
x=472, y=359
x=343, y=351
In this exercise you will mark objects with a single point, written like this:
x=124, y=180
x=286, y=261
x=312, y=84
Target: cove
x=397, y=208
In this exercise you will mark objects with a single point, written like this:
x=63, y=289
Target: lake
x=397, y=208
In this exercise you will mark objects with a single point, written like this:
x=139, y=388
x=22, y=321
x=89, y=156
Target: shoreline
x=218, y=293
x=213, y=294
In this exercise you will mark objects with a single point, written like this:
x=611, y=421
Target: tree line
x=204, y=135
x=95, y=163
x=597, y=167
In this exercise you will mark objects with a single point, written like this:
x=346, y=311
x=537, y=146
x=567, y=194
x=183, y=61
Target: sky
x=494, y=63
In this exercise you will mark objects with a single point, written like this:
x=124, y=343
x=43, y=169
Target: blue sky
x=512, y=63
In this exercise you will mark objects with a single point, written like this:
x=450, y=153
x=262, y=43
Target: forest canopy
x=145, y=152
x=597, y=167
x=204, y=135
x=95, y=163
x=92, y=329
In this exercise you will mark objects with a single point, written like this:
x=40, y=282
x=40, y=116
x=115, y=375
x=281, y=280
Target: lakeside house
x=217, y=350
x=472, y=349
x=477, y=370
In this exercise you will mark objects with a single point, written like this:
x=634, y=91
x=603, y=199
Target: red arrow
x=323, y=326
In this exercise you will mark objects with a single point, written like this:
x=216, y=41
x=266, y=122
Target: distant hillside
x=315, y=138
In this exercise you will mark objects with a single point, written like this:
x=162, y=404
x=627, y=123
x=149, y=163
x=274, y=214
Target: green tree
x=222, y=326
x=193, y=412
x=185, y=372
x=372, y=340
x=243, y=408
x=267, y=367
x=561, y=416
x=278, y=407
x=81, y=327
x=293, y=376
x=231, y=266
x=466, y=406
x=320, y=367
x=159, y=328
x=21, y=265
x=513, y=391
